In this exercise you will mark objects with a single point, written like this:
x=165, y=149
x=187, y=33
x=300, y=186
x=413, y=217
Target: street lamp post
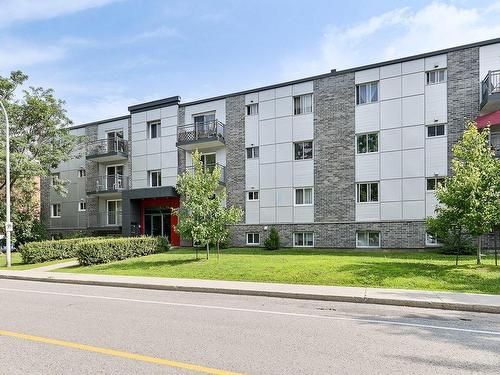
x=8, y=223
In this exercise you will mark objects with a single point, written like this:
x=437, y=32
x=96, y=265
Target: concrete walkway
x=400, y=297
x=55, y=266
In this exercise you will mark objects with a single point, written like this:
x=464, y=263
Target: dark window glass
x=362, y=147
x=373, y=142
x=374, y=192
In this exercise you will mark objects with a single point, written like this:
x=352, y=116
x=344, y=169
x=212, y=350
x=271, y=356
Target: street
x=49, y=328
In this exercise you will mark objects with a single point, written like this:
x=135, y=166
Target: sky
x=102, y=56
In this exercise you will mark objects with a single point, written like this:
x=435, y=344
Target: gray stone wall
x=334, y=181
x=92, y=171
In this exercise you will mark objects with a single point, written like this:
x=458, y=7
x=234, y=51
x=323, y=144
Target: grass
x=17, y=262
x=384, y=269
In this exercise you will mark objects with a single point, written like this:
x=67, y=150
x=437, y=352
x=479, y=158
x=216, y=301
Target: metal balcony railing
x=490, y=85
x=107, y=184
x=105, y=219
x=208, y=130
x=209, y=168
x=103, y=147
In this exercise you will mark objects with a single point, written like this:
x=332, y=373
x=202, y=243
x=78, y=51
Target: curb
x=455, y=306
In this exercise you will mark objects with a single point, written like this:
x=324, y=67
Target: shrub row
x=43, y=251
x=106, y=250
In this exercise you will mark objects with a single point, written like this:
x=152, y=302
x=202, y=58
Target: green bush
x=272, y=242
x=43, y=251
x=106, y=250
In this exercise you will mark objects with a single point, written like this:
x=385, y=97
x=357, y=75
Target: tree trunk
x=208, y=250
x=218, y=250
x=479, y=250
x=456, y=259
x=496, y=247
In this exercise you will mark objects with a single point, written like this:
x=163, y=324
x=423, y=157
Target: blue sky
x=104, y=55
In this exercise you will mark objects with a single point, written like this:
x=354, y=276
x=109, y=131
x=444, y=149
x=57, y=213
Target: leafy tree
x=39, y=141
x=469, y=200
x=202, y=215
x=272, y=242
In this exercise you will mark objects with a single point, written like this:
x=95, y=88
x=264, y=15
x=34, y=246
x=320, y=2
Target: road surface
x=50, y=328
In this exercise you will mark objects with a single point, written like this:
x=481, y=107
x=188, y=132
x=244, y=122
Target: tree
x=39, y=141
x=202, y=215
x=469, y=199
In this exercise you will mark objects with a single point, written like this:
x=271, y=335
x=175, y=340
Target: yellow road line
x=117, y=353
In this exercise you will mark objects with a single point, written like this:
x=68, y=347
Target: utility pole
x=8, y=223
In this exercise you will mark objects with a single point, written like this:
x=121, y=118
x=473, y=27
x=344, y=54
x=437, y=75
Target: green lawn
x=17, y=262
x=384, y=269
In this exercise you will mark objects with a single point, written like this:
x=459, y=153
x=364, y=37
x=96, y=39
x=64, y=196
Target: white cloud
x=162, y=32
x=16, y=54
x=28, y=10
x=397, y=33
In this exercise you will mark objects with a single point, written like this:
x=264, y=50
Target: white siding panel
x=284, y=127
x=284, y=152
x=391, y=211
x=284, y=106
x=303, y=127
x=138, y=163
x=267, y=109
x=252, y=98
x=267, y=197
x=390, y=140
x=431, y=203
x=388, y=71
x=489, y=59
x=367, y=211
x=390, y=165
x=281, y=92
x=413, y=189
x=436, y=109
x=303, y=88
x=138, y=117
x=284, y=196
x=414, y=210
x=170, y=111
x=267, y=215
x=390, y=88
x=390, y=190
x=283, y=174
x=140, y=148
x=413, y=110
x=303, y=214
x=367, y=75
x=251, y=174
x=436, y=156
x=267, y=176
x=153, y=114
x=267, y=154
x=266, y=132
x=154, y=161
x=436, y=62
x=413, y=163
x=303, y=173
x=251, y=131
x=284, y=214
x=267, y=95
x=367, y=118
x=367, y=167
x=169, y=160
x=413, y=66
x=413, y=84
x=390, y=114
x=413, y=137
x=252, y=212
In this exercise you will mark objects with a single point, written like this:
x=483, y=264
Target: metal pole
x=8, y=224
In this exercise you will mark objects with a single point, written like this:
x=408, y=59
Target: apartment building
x=344, y=159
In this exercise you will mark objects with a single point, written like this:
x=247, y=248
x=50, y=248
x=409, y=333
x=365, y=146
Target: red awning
x=491, y=119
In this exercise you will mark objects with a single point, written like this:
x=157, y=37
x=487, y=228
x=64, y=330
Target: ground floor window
x=303, y=239
x=367, y=239
x=114, y=212
x=430, y=240
x=253, y=239
x=157, y=221
x=55, y=210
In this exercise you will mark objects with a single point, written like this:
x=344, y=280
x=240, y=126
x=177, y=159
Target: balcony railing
x=208, y=130
x=107, y=148
x=490, y=86
x=107, y=184
x=209, y=168
x=105, y=219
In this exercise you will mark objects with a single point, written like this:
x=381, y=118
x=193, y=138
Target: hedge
x=106, y=250
x=43, y=251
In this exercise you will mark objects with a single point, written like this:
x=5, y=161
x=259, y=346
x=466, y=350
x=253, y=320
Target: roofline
x=99, y=122
x=154, y=104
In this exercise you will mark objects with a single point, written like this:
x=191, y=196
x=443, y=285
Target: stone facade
x=92, y=171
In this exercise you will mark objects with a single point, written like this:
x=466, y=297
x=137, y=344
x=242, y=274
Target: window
x=303, y=239
x=303, y=196
x=54, y=178
x=303, y=150
x=367, y=192
x=430, y=240
x=55, y=210
x=436, y=76
x=434, y=182
x=252, y=109
x=154, y=178
x=82, y=173
x=154, y=129
x=82, y=206
x=367, y=143
x=367, y=93
x=367, y=239
x=435, y=130
x=252, y=152
x=253, y=195
x=253, y=239
x=302, y=104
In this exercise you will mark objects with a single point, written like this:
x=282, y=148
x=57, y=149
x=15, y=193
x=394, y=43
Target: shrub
x=106, y=250
x=272, y=242
x=43, y=251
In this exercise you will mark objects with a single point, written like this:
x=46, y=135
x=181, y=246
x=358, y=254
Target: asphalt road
x=101, y=330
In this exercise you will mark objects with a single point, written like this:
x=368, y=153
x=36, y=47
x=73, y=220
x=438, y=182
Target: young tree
x=39, y=141
x=202, y=215
x=469, y=199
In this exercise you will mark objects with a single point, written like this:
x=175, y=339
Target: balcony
x=107, y=219
x=106, y=150
x=209, y=167
x=107, y=184
x=490, y=92
x=201, y=135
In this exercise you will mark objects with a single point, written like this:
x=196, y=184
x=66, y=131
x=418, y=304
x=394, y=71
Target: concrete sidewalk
x=400, y=297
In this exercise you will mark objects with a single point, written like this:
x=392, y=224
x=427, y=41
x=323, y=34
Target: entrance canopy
x=491, y=119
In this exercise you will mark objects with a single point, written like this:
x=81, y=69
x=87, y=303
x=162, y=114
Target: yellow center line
x=117, y=353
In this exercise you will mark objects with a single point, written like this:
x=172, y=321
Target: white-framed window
x=436, y=76
x=253, y=195
x=303, y=150
x=366, y=143
x=436, y=130
x=303, y=196
x=252, y=152
x=367, y=192
x=154, y=129
x=253, y=239
x=303, y=239
x=432, y=183
x=54, y=177
x=55, y=210
x=154, y=178
x=302, y=104
x=367, y=238
x=82, y=173
x=430, y=240
x=367, y=93
x=82, y=206
x=252, y=109
x=114, y=211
